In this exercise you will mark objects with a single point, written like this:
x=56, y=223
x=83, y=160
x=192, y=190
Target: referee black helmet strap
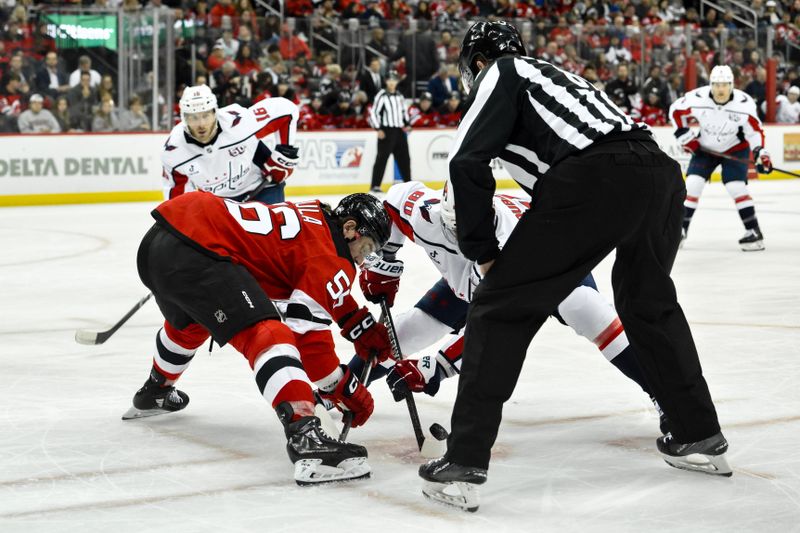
x=370, y=215
x=486, y=41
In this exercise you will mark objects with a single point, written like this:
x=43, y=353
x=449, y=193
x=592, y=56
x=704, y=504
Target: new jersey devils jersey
x=415, y=212
x=723, y=128
x=288, y=248
x=231, y=164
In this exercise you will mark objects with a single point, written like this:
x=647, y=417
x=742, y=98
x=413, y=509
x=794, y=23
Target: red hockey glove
x=368, y=336
x=413, y=375
x=688, y=140
x=381, y=279
x=763, y=161
x=281, y=163
x=351, y=395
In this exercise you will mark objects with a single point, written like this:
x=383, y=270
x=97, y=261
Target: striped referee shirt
x=389, y=111
x=531, y=115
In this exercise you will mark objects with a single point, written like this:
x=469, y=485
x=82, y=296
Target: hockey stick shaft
x=747, y=162
x=397, y=356
x=90, y=337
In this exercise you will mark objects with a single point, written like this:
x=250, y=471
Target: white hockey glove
x=281, y=163
x=688, y=140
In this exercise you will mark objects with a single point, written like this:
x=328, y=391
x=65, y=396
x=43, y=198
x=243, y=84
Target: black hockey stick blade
x=397, y=355
x=83, y=336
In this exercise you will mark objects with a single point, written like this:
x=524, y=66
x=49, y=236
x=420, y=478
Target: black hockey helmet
x=370, y=215
x=486, y=41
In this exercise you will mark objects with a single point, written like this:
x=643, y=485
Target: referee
x=599, y=182
x=389, y=116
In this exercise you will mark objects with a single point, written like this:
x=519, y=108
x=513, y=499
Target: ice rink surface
x=576, y=450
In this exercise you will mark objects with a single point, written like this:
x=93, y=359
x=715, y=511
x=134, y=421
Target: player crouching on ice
x=223, y=151
x=269, y=280
x=416, y=214
x=729, y=131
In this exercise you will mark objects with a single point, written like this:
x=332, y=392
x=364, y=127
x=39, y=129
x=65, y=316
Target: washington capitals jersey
x=728, y=127
x=289, y=248
x=230, y=165
x=415, y=211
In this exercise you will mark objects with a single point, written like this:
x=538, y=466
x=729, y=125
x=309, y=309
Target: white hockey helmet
x=721, y=74
x=197, y=99
x=448, y=215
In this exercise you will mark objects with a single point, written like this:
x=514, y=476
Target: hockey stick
x=397, y=356
x=747, y=162
x=83, y=336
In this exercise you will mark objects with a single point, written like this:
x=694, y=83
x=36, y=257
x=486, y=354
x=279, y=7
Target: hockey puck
x=438, y=432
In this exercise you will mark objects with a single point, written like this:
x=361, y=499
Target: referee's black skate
x=153, y=399
x=452, y=484
x=707, y=455
x=317, y=457
x=752, y=241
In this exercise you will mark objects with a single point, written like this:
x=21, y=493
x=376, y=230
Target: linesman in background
x=599, y=182
x=389, y=116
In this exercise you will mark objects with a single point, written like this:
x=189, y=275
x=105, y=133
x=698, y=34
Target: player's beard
x=209, y=136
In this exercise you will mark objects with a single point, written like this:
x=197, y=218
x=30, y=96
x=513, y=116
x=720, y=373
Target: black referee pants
x=394, y=143
x=623, y=194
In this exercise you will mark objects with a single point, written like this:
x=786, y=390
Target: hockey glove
x=351, y=395
x=381, y=279
x=413, y=375
x=281, y=163
x=368, y=336
x=763, y=161
x=688, y=140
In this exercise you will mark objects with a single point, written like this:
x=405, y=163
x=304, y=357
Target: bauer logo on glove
x=381, y=279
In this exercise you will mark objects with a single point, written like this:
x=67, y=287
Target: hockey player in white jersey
x=728, y=124
x=415, y=211
x=223, y=151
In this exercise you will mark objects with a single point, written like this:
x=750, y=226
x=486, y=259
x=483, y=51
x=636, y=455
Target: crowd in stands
x=635, y=50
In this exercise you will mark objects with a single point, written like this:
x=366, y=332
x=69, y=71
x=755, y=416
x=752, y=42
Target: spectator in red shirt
x=291, y=45
x=10, y=104
x=245, y=63
x=423, y=114
x=216, y=58
x=221, y=9
x=312, y=115
x=451, y=111
x=651, y=112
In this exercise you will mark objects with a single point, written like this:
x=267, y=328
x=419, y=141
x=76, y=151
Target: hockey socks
x=627, y=363
x=744, y=203
x=694, y=189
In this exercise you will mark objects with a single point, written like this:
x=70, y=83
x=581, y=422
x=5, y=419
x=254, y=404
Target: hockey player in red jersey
x=728, y=124
x=269, y=280
x=224, y=151
x=415, y=211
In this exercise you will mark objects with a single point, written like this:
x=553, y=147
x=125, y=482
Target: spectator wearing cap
x=788, y=107
x=423, y=114
x=389, y=117
x=312, y=115
x=84, y=65
x=442, y=86
x=370, y=81
x=652, y=111
x=37, y=119
x=343, y=114
x=51, y=79
x=450, y=112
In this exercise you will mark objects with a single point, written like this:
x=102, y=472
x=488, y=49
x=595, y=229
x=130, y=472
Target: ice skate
x=753, y=240
x=319, y=458
x=153, y=399
x=707, y=456
x=452, y=484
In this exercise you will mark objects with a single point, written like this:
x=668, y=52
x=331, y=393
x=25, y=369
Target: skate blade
x=312, y=472
x=752, y=246
x=715, y=465
x=134, y=413
x=457, y=494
